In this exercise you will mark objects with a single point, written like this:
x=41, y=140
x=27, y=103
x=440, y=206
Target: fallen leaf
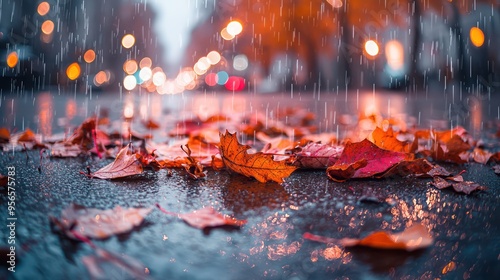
x=107, y=265
x=193, y=168
x=362, y=160
x=387, y=140
x=317, y=156
x=496, y=169
x=413, y=238
x=4, y=135
x=97, y=223
x=63, y=150
x=481, y=156
x=466, y=187
x=125, y=164
x=27, y=136
x=259, y=166
x=405, y=168
x=438, y=170
x=205, y=218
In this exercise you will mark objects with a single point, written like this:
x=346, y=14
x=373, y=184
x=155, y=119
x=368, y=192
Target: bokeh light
x=240, y=62
x=101, y=78
x=130, y=66
x=159, y=78
x=235, y=83
x=129, y=82
x=43, y=8
x=213, y=57
x=335, y=3
x=73, y=71
x=89, y=56
x=128, y=41
x=145, y=62
x=145, y=74
x=211, y=79
x=12, y=59
x=234, y=28
x=47, y=27
x=225, y=35
x=476, y=36
x=371, y=48
x=222, y=77
x=394, y=53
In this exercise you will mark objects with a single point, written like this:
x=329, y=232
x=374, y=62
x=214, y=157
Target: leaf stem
x=165, y=211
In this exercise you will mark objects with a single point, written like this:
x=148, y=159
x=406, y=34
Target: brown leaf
x=413, y=238
x=259, y=166
x=206, y=217
x=466, y=187
x=362, y=160
x=405, y=168
x=194, y=168
x=125, y=164
x=97, y=223
x=440, y=183
x=481, y=156
x=317, y=156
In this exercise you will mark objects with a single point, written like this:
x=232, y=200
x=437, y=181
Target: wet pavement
x=270, y=246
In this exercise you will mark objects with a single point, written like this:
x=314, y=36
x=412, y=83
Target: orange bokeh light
x=89, y=56
x=130, y=66
x=234, y=28
x=394, y=53
x=43, y=8
x=12, y=59
x=145, y=62
x=47, y=27
x=73, y=71
x=371, y=48
x=476, y=36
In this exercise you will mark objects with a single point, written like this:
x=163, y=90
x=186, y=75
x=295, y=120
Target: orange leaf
x=27, y=136
x=259, y=166
x=413, y=238
x=387, y=140
x=4, y=135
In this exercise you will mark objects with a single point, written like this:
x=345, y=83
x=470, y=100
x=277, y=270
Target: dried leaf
x=65, y=150
x=194, y=168
x=125, y=164
x=363, y=159
x=405, y=168
x=481, y=156
x=466, y=187
x=206, y=217
x=317, y=156
x=97, y=223
x=413, y=238
x=259, y=166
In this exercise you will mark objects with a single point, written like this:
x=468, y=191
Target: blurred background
x=170, y=46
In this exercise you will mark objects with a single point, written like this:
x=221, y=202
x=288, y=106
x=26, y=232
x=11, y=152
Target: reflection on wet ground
x=270, y=245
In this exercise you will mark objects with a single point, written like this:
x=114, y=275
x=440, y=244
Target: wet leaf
x=466, y=187
x=413, y=238
x=193, y=168
x=27, y=136
x=108, y=265
x=4, y=135
x=418, y=167
x=125, y=164
x=97, y=223
x=387, y=140
x=481, y=156
x=362, y=160
x=206, y=217
x=259, y=166
x=317, y=156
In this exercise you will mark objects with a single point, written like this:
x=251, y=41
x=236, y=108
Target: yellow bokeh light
x=476, y=36
x=43, y=8
x=73, y=71
x=89, y=56
x=128, y=41
x=225, y=35
x=234, y=28
x=47, y=27
x=12, y=59
x=371, y=48
x=213, y=57
x=394, y=53
x=130, y=66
